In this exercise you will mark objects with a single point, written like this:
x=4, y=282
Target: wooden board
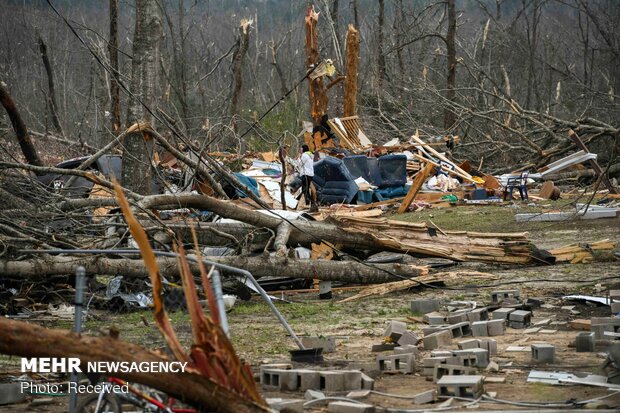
x=419, y=180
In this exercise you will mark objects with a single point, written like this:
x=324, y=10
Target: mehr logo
x=51, y=365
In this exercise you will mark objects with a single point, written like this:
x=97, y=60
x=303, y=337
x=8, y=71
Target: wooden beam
x=419, y=180
x=595, y=166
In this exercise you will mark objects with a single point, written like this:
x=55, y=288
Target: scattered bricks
x=328, y=344
x=543, y=353
x=478, y=314
x=438, y=339
x=441, y=353
x=425, y=397
x=482, y=355
x=403, y=363
x=489, y=344
x=308, y=380
x=408, y=338
x=350, y=407
x=368, y=383
x=520, y=318
x=408, y=349
x=460, y=386
x=471, y=343
x=434, y=318
x=502, y=313
x=479, y=328
x=602, y=324
x=584, y=342
x=11, y=393
x=499, y=296
x=428, y=330
x=284, y=380
x=496, y=327
x=456, y=318
x=615, y=307
x=331, y=381
x=424, y=306
x=429, y=364
x=395, y=330
x=451, y=370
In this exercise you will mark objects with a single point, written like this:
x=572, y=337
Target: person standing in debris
x=305, y=167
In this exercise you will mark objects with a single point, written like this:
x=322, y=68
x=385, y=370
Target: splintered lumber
x=582, y=252
x=419, y=180
x=418, y=238
x=352, y=61
x=451, y=277
x=23, y=339
x=441, y=157
x=316, y=90
x=321, y=269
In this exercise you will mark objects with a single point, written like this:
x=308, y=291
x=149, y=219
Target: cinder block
x=615, y=307
x=11, y=393
x=288, y=405
x=425, y=397
x=408, y=338
x=284, y=380
x=471, y=343
x=479, y=328
x=428, y=364
x=424, y=305
x=428, y=330
x=614, y=294
x=408, y=349
x=501, y=295
x=502, y=313
x=602, y=324
x=467, y=360
x=438, y=339
x=520, y=319
x=451, y=370
x=482, y=355
x=543, y=353
x=313, y=394
x=441, y=353
x=489, y=344
x=352, y=379
x=456, y=318
x=350, y=407
x=478, y=314
x=460, y=386
x=434, y=318
x=331, y=381
x=395, y=330
x=368, y=383
x=496, y=327
x=308, y=380
x=584, y=342
x=404, y=363
x=328, y=344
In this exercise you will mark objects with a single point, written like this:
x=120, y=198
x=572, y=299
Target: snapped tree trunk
x=23, y=339
x=138, y=149
x=21, y=132
x=449, y=115
x=316, y=89
x=381, y=70
x=350, y=82
x=115, y=101
x=243, y=43
x=51, y=90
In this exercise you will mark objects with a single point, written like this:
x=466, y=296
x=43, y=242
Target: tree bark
x=115, y=102
x=381, y=70
x=51, y=90
x=350, y=82
x=23, y=339
x=316, y=89
x=449, y=115
x=243, y=42
x=138, y=150
x=21, y=132
x=344, y=271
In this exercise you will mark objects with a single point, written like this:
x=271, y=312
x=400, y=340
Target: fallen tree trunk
x=23, y=339
x=346, y=271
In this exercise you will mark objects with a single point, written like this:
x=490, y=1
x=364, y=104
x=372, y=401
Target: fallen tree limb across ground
x=346, y=271
x=23, y=339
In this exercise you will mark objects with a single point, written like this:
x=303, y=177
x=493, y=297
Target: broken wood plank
x=419, y=180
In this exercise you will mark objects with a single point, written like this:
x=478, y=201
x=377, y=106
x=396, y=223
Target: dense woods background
x=525, y=71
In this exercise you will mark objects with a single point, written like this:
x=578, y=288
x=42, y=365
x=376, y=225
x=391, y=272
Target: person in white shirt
x=305, y=166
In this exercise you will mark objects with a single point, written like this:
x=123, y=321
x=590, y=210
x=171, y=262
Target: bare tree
x=241, y=48
x=449, y=117
x=51, y=89
x=115, y=104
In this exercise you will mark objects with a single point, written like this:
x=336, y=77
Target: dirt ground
x=358, y=325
